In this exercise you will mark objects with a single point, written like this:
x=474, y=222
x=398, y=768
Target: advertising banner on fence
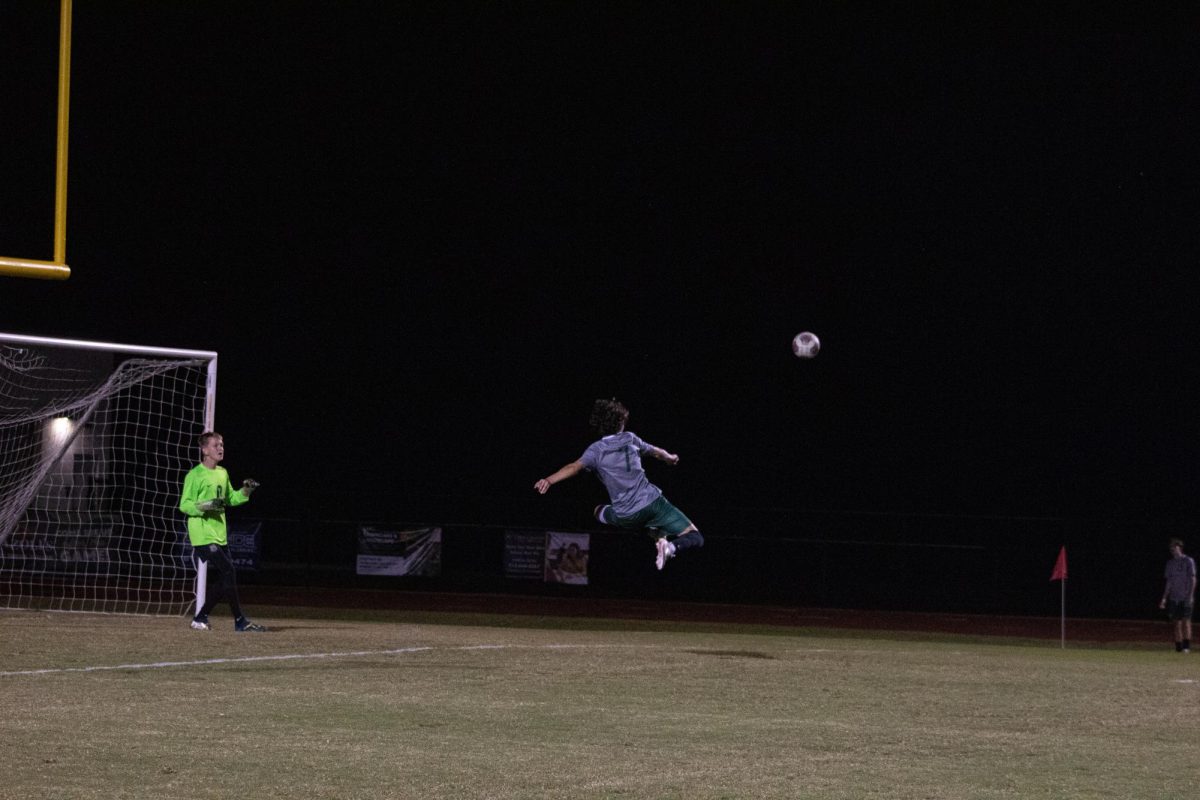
x=244, y=539
x=384, y=551
x=546, y=556
x=524, y=555
x=567, y=558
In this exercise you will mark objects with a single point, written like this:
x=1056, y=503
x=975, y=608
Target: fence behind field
x=863, y=561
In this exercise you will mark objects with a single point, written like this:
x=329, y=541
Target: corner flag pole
x=1060, y=574
x=1062, y=614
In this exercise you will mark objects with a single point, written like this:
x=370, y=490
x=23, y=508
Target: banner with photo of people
x=549, y=556
x=567, y=558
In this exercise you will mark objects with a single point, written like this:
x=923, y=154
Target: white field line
x=209, y=662
x=206, y=662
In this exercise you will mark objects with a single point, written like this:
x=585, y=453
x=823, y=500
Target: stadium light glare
x=60, y=429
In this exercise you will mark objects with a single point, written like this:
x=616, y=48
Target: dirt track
x=1077, y=630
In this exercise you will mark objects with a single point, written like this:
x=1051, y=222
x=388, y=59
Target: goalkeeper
x=206, y=494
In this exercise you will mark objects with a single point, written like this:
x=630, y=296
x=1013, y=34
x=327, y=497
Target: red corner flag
x=1060, y=566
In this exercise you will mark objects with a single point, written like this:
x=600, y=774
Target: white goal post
x=95, y=440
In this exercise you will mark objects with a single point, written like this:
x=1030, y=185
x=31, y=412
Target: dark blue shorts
x=1178, y=610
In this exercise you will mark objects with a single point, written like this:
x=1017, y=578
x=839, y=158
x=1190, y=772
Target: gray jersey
x=617, y=462
x=1180, y=573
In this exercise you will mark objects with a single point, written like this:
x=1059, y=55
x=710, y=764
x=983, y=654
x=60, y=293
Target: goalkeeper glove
x=249, y=484
x=216, y=504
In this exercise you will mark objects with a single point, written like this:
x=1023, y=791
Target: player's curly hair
x=608, y=417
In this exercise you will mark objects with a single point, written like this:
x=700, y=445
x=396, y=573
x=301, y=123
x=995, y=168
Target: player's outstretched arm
x=569, y=471
x=663, y=455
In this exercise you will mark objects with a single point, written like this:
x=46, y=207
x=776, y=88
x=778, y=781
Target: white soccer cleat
x=666, y=550
x=197, y=625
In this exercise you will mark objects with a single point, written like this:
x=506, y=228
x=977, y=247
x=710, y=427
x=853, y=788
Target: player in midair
x=636, y=503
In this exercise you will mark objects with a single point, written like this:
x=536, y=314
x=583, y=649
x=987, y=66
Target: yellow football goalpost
x=56, y=269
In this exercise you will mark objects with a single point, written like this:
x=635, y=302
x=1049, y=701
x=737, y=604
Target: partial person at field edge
x=1179, y=594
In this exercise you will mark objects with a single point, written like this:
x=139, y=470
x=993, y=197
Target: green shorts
x=660, y=514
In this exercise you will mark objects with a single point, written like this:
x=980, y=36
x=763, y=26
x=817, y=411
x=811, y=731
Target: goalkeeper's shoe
x=200, y=624
x=244, y=625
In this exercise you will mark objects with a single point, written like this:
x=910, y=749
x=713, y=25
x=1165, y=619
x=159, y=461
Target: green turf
x=577, y=709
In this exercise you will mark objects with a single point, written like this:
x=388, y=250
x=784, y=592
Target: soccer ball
x=806, y=345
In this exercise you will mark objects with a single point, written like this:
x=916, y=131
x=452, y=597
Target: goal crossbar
x=79, y=344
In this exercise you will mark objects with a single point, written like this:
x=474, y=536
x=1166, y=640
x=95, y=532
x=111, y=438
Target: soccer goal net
x=95, y=440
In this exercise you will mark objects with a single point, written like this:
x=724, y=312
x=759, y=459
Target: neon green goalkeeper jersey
x=202, y=483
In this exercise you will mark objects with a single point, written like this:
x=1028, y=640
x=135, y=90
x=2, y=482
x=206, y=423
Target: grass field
x=424, y=705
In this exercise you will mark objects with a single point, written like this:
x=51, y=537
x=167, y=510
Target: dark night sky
x=423, y=239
